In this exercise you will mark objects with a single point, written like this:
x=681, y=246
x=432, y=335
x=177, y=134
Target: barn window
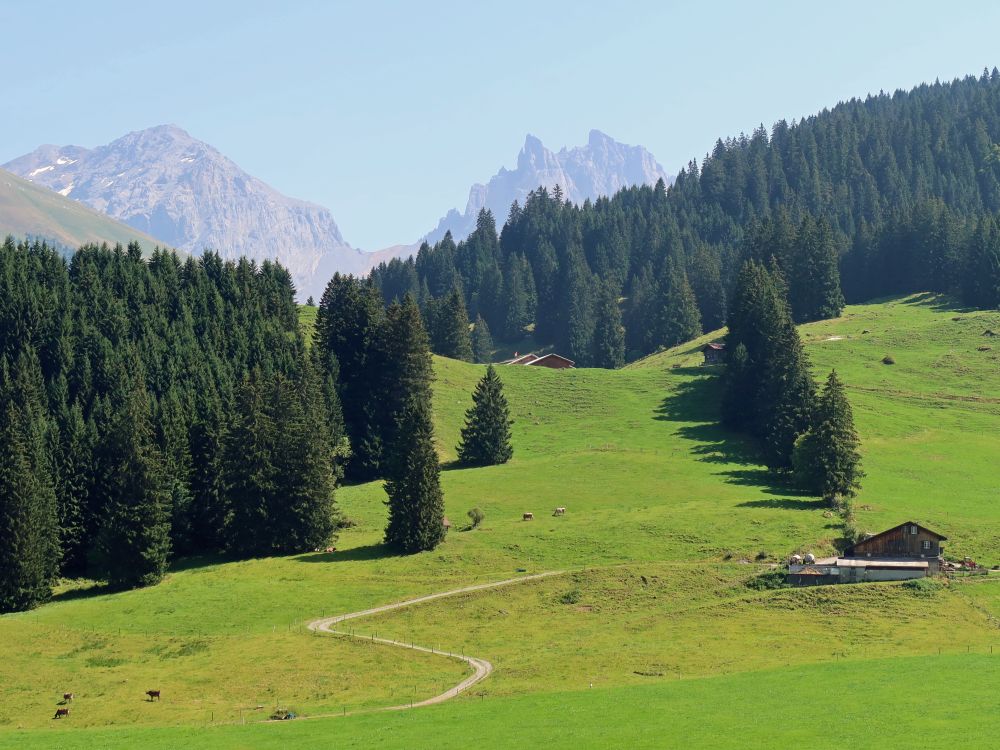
x=913, y=529
x=927, y=544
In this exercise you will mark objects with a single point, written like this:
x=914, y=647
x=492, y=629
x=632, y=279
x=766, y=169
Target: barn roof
x=714, y=346
x=881, y=563
x=524, y=359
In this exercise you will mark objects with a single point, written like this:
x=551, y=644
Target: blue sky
x=387, y=112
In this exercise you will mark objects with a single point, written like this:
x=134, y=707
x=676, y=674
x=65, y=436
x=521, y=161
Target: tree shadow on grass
x=82, y=592
x=938, y=302
x=786, y=503
x=696, y=403
x=366, y=552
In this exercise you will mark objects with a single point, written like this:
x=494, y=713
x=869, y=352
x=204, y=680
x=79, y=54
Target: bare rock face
x=601, y=168
x=188, y=195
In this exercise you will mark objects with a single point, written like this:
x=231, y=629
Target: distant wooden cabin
x=553, y=361
x=902, y=552
x=715, y=354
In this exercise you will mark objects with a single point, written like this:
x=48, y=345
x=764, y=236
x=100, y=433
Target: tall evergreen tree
x=133, y=543
x=450, y=332
x=301, y=510
x=826, y=457
x=679, y=319
x=76, y=517
x=249, y=470
x=29, y=555
x=349, y=326
x=482, y=342
x=609, y=334
x=814, y=284
x=407, y=374
x=486, y=434
x=415, y=500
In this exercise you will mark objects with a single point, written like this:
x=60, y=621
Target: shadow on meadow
x=354, y=554
x=695, y=402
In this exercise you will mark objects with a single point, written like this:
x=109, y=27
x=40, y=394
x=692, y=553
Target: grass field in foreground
x=893, y=704
x=654, y=488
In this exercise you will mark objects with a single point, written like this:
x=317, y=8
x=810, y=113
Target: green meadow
x=660, y=632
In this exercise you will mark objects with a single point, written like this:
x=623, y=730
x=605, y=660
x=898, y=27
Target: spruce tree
x=679, y=319
x=29, y=554
x=482, y=342
x=415, y=500
x=814, y=283
x=826, y=458
x=133, y=543
x=609, y=334
x=249, y=470
x=407, y=373
x=451, y=329
x=486, y=434
x=349, y=326
x=76, y=517
x=301, y=509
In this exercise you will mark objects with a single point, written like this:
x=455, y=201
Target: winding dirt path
x=481, y=668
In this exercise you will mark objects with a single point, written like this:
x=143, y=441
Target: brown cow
x=528, y=516
x=67, y=697
x=153, y=694
x=61, y=712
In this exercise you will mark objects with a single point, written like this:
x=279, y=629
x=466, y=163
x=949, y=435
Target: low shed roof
x=880, y=563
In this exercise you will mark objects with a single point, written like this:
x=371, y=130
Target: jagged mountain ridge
x=601, y=168
x=183, y=191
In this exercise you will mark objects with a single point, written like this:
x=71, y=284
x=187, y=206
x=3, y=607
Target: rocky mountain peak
x=602, y=167
x=167, y=183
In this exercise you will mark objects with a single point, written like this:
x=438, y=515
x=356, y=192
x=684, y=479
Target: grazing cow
x=559, y=512
x=67, y=697
x=528, y=517
x=153, y=694
x=61, y=712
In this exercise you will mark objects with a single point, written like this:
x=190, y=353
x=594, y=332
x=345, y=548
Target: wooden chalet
x=552, y=361
x=905, y=551
x=908, y=541
x=714, y=353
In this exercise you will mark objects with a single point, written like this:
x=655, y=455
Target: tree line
x=151, y=409
x=890, y=194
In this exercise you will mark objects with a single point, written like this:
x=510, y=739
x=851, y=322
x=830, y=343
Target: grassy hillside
x=670, y=523
x=27, y=209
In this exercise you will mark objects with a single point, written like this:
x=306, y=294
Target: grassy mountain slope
x=27, y=209
x=667, y=517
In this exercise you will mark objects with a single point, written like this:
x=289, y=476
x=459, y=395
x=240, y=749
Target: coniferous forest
x=885, y=195
x=155, y=408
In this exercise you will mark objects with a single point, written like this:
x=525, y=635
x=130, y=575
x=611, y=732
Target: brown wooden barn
x=909, y=540
x=715, y=354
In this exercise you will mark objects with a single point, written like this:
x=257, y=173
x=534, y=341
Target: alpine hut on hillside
x=715, y=354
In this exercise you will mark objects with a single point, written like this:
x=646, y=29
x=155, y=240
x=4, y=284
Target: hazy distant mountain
x=28, y=210
x=184, y=192
x=602, y=167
